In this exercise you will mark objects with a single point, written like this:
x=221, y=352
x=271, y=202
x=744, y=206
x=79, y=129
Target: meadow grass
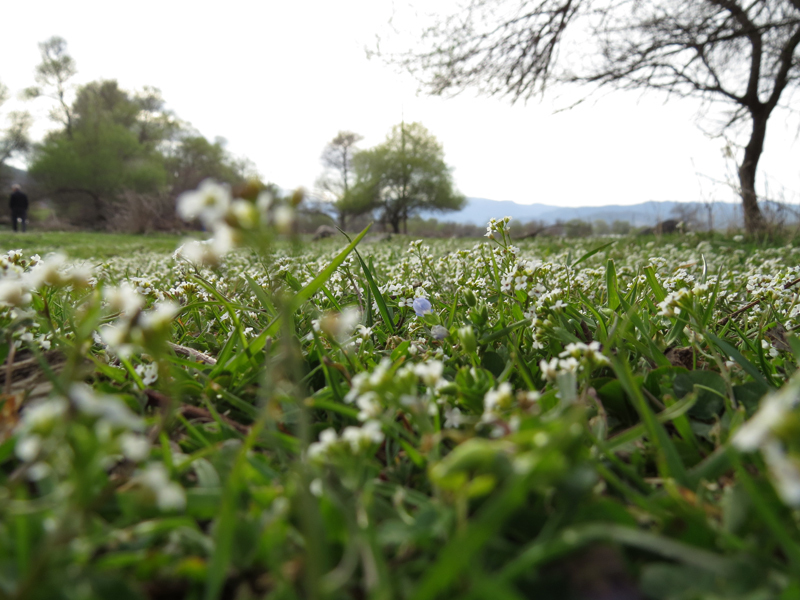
x=88, y=244
x=406, y=419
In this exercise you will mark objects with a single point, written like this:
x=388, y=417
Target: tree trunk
x=395, y=222
x=753, y=219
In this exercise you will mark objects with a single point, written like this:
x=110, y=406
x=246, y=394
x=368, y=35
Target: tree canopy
x=402, y=176
x=740, y=55
x=110, y=147
x=113, y=144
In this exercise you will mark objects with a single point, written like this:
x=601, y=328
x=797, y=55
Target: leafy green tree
x=337, y=158
x=621, y=227
x=113, y=146
x=600, y=227
x=194, y=159
x=403, y=176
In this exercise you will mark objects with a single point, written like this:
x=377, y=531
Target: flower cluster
x=134, y=327
x=353, y=441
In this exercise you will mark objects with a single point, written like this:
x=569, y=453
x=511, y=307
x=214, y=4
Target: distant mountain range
x=478, y=211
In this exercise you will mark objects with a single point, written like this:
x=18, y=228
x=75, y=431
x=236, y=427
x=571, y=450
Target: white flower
x=760, y=433
x=14, y=292
x=107, y=407
x=244, y=213
x=498, y=398
x=134, y=447
x=784, y=471
x=453, y=418
x=360, y=438
x=148, y=373
x=160, y=317
x=169, y=495
x=209, y=203
x=47, y=272
x=430, y=373
x=263, y=203
x=773, y=352
x=123, y=299
x=224, y=240
x=28, y=447
x=43, y=415
x=549, y=369
x=284, y=218
x=364, y=332
x=369, y=406
x=327, y=438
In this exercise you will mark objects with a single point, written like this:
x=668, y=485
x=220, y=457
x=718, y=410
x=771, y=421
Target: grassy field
x=88, y=244
x=258, y=417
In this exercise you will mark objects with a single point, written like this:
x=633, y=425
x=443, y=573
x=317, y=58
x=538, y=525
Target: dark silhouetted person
x=19, y=207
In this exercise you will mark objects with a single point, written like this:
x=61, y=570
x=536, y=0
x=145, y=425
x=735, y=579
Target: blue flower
x=421, y=306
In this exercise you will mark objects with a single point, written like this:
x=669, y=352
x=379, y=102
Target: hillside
x=479, y=210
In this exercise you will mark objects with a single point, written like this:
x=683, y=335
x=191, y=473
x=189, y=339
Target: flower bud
x=469, y=296
x=467, y=336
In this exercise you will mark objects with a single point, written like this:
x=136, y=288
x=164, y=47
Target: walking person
x=18, y=202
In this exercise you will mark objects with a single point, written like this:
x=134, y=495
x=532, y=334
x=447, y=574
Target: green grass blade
x=637, y=431
x=376, y=292
x=591, y=253
x=612, y=286
x=669, y=461
x=312, y=288
x=658, y=291
x=503, y=332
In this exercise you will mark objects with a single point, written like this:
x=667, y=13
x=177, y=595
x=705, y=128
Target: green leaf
x=493, y=363
x=741, y=361
x=711, y=392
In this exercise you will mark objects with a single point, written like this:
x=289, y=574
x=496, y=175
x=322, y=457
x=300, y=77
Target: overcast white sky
x=278, y=80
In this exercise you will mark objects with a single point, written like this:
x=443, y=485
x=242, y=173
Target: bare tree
x=739, y=53
x=52, y=77
x=337, y=158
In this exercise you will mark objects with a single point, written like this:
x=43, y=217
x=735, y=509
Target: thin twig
x=192, y=353
x=747, y=307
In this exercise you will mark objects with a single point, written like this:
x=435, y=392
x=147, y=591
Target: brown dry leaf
x=681, y=357
x=777, y=336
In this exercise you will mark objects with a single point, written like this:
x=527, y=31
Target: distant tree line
x=117, y=159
